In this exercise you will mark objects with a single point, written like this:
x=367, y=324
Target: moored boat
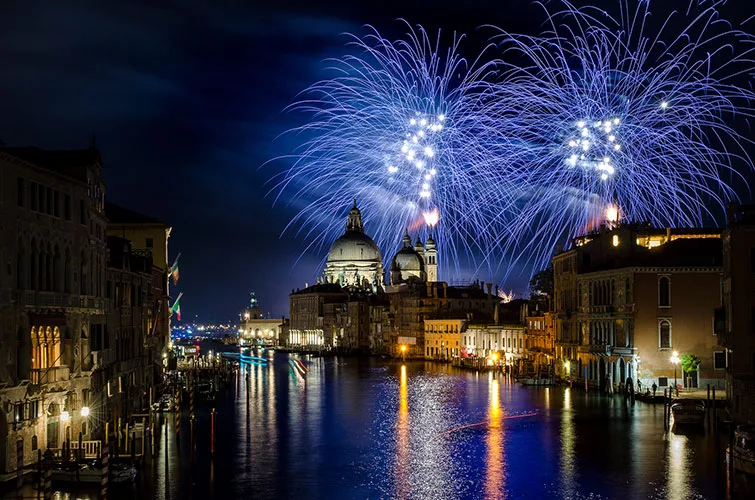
x=535, y=381
x=744, y=449
x=688, y=412
x=91, y=472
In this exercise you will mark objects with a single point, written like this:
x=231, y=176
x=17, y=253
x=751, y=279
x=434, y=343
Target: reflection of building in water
x=255, y=328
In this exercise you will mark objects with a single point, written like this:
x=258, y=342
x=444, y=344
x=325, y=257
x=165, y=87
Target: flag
x=176, y=309
x=174, y=272
x=174, y=269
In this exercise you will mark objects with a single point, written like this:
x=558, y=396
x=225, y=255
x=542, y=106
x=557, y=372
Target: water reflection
x=402, y=438
x=677, y=467
x=568, y=440
x=494, y=460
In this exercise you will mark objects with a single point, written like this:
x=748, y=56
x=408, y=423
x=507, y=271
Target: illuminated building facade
x=255, y=328
x=52, y=297
x=626, y=298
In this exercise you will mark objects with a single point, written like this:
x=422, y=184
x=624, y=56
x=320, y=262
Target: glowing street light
x=675, y=361
x=85, y=411
x=64, y=416
x=403, y=352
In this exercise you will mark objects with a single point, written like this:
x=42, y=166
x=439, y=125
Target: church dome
x=354, y=246
x=407, y=259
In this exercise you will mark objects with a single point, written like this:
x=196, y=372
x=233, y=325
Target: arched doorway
x=622, y=371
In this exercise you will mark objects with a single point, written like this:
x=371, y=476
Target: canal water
x=367, y=428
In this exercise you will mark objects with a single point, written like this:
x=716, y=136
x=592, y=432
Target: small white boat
x=688, y=412
x=744, y=449
x=165, y=404
x=92, y=473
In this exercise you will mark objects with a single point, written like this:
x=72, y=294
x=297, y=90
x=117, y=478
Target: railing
x=92, y=449
x=50, y=375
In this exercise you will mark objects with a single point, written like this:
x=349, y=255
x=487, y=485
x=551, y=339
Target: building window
x=67, y=206
x=34, y=443
x=82, y=214
x=664, y=291
x=56, y=203
x=20, y=192
x=664, y=334
x=151, y=243
x=719, y=360
x=662, y=381
x=34, y=200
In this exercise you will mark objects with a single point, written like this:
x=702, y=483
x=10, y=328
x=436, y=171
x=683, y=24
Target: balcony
x=49, y=375
x=103, y=357
x=57, y=300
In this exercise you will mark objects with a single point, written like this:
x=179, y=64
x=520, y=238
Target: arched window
x=664, y=334
x=664, y=291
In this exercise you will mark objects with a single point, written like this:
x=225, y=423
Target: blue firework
x=397, y=125
x=632, y=114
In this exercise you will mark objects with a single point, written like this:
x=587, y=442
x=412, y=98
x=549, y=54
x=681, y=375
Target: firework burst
x=396, y=125
x=623, y=111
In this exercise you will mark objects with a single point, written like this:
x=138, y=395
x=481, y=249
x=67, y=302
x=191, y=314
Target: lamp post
x=675, y=361
x=403, y=352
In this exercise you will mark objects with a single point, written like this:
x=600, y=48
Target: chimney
x=668, y=234
x=496, y=290
x=495, y=313
x=429, y=289
x=490, y=288
x=445, y=290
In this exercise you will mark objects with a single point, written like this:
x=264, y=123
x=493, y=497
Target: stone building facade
x=627, y=297
x=52, y=286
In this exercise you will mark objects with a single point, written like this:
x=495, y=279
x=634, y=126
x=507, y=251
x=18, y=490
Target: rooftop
x=119, y=215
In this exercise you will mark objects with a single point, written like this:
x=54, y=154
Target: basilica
x=353, y=307
x=354, y=260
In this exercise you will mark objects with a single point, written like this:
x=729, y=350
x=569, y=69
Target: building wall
x=694, y=295
x=53, y=256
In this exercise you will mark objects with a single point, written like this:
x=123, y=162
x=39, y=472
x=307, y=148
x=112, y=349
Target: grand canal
x=366, y=428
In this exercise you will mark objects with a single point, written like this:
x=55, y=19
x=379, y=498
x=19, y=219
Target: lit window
x=615, y=240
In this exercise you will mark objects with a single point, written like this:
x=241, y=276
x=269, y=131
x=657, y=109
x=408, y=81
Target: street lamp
x=403, y=352
x=675, y=361
x=64, y=416
x=85, y=411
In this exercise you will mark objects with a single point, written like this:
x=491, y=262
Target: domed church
x=354, y=259
x=417, y=263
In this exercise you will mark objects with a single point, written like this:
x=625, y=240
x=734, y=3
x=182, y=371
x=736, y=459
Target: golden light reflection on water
x=568, y=440
x=402, y=438
x=677, y=467
x=494, y=459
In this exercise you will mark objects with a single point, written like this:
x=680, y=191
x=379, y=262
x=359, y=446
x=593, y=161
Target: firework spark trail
x=397, y=126
x=607, y=111
x=522, y=151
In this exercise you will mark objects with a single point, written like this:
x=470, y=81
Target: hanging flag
x=174, y=269
x=174, y=272
x=176, y=309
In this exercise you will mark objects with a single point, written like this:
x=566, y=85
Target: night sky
x=186, y=102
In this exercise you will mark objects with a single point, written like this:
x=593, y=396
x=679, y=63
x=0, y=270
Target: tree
x=690, y=363
x=541, y=287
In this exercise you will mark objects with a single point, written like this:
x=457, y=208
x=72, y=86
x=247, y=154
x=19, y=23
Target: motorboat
x=166, y=403
x=91, y=472
x=744, y=449
x=688, y=412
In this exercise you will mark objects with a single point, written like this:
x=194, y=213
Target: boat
x=744, y=449
x=688, y=412
x=165, y=404
x=298, y=366
x=91, y=472
x=535, y=381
